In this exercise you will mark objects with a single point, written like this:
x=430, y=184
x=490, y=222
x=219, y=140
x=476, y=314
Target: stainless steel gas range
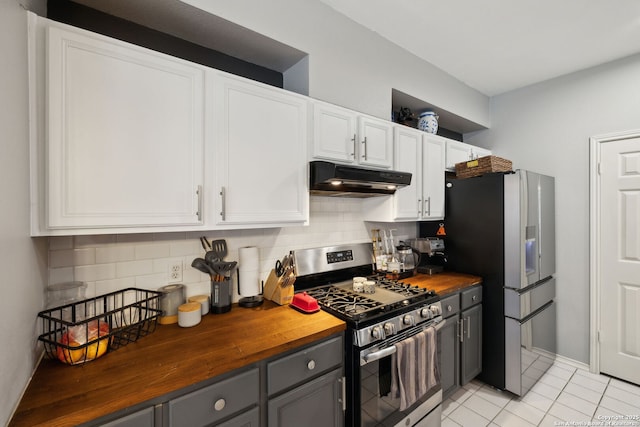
x=391, y=338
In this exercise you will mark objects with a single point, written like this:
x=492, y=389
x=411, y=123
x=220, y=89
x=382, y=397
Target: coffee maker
x=409, y=257
x=432, y=255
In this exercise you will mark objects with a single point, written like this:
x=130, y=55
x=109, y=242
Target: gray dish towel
x=414, y=370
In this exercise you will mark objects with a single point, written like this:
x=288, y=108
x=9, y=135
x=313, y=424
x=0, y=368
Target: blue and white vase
x=428, y=122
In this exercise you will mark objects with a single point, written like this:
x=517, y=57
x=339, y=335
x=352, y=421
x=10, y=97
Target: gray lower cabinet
x=216, y=402
x=313, y=404
x=305, y=387
x=142, y=418
x=461, y=339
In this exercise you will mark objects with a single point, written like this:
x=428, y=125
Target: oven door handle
x=371, y=357
x=388, y=351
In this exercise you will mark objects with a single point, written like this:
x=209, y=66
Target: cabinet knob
x=219, y=405
x=473, y=298
x=449, y=308
x=311, y=365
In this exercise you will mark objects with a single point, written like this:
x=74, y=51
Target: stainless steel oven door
x=378, y=407
x=530, y=348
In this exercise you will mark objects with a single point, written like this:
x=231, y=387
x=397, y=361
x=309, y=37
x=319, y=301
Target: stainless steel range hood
x=331, y=179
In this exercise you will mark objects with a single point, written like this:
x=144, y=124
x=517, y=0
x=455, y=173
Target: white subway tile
x=134, y=268
x=156, y=250
x=151, y=281
x=93, y=241
x=60, y=242
x=134, y=238
x=113, y=285
x=72, y=257
x=60, y=275
x=184, y=248
x=88, y=273
x=115, y=253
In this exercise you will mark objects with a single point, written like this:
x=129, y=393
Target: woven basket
x=482, y=165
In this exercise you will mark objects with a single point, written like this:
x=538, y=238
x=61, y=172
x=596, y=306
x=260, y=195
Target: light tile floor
x=564, y=396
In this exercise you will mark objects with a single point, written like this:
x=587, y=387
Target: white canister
x=428, y=122
x=189, y=314
x=203, y=300
x=369, y=287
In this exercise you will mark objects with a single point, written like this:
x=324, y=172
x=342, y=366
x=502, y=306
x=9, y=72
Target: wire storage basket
x=82, y=331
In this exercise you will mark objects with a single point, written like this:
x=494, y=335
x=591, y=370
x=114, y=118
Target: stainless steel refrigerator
x=502, y=227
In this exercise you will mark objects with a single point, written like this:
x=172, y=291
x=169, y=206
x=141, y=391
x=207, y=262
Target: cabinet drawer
x=303, y=365
x=450, y=305
x=142, y=418
x=471, y=297
x=215, y=402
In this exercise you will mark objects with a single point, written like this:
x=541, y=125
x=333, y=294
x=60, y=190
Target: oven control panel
x=394, y=327
x=339, y=256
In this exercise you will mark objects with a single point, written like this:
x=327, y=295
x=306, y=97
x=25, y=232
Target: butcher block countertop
x=167, y=360
x=444, y=283
x=172, y=358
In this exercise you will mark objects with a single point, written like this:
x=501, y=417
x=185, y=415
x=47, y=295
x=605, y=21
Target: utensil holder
x=221, y=294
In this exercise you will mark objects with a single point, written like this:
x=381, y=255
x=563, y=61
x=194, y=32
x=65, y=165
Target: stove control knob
x=426, y=313
x=409, y=320
x=436, y=310
x=378, y=332
x=389, y=328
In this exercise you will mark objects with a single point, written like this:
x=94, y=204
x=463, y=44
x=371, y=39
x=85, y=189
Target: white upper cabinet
x=423, y=155
x=334, y=133
x=261, y=154
x=124, y=135
x=346, y=136
x=433, y=157
x=407, y=201
x=458, y=152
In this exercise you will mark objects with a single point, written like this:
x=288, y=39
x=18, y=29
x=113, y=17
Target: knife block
x=275, y=290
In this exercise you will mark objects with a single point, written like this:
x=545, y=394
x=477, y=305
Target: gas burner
x=402, y=288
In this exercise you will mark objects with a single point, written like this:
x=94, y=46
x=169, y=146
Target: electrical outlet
x=175, y=271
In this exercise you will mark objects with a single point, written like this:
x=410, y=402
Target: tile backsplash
x=112, y=262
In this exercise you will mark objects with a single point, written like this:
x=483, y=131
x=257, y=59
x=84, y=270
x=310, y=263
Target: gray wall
x=546, y=128
x=23, y=260
x=348, y=64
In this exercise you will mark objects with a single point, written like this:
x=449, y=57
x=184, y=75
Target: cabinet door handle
x=353, y=144
x=427, y=207
x=199, y=194
x=461, y=329
x=365, y=148
x=219, y=405
x=223, y=196
x=419, y=207
x=311, y=365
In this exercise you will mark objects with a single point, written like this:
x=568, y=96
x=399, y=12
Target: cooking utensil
x=219, y=248
x=202, y=265
x=279, y=268
x=205, y=243
x=222, y=267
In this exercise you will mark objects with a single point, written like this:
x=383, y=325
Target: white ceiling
x=496, y=46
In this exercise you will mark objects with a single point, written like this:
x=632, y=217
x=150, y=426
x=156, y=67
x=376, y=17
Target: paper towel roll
x=249, y=271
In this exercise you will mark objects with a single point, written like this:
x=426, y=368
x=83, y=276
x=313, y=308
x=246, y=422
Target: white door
x=619, y=225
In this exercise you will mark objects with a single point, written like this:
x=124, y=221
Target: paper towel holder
x=250, y=301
